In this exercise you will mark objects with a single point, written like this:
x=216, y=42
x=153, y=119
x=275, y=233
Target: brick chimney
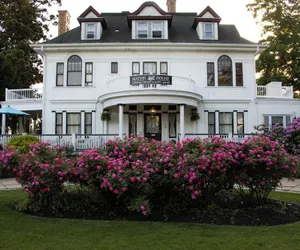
x=63, y=21
x=171, y=6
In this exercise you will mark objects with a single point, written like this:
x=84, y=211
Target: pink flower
x=262, y=183
x=132, y=179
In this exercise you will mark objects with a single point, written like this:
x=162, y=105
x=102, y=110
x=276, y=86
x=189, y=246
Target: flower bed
x=150, y=178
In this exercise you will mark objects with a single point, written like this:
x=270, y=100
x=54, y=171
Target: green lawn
x=18, y=231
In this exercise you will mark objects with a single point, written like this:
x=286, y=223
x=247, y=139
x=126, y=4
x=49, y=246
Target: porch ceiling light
x=152, y=111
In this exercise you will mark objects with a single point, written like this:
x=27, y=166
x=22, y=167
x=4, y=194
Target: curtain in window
x=88, y=123
x=225, y=123
x=208, y=30
x=225, y=71
x=157, y=29
x=132, y=124
x=142, y=29
x=172, y=125
x=150, y=68
x=60, y=74
x=74, y=123
x=74, y=71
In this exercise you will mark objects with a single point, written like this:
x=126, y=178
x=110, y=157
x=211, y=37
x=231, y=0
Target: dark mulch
x=227, y=209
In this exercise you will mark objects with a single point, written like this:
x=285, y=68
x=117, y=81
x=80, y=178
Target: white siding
x=216, y=30
x=208, y=15
x=90, y=15
x=149, y=11
x=199, y=30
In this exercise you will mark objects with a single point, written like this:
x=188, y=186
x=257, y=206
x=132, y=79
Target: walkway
x=287, y=186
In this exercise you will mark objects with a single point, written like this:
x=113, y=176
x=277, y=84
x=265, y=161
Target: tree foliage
x=281, y=30
x=22, y=22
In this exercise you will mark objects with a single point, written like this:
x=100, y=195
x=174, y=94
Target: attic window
x=149, y=30
x=208, y=29
x=90, y=31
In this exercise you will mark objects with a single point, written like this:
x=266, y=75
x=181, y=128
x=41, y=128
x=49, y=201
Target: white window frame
x=87, y=32
x=284, y=119
x=212, y=31
x=150, y=29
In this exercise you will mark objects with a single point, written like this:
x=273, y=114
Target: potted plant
x=106, y=115
x=194, y=115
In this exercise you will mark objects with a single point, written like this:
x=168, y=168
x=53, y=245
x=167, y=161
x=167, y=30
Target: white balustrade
x=274, y=92
x=23, y=94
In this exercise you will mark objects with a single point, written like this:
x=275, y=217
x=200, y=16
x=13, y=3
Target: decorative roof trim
x=135, y=15
x=88, y=10
x=149, y=4
x=93, y=20
x=209, y=9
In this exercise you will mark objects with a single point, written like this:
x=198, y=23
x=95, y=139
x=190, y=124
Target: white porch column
x=3, y=129
x=21, y=125
x=270, y=121
x=217, y=122
x=54, y=122
x=101, y=123
x=235, y=121
x=34, y=126
x=182, y=121
x=284, y=121
x=94, y=122
x=121, y=117
x=64, y=121
x=246, y=121
x=206, y=121
x=82, y=122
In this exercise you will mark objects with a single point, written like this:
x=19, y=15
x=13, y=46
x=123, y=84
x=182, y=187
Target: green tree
x=22, y=22
x=280, y=20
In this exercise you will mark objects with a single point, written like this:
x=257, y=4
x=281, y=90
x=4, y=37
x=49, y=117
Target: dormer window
x=208, y=30
x=90, y=30
x=149, y=30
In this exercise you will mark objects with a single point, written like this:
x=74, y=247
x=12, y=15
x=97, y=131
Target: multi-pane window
x=132, y=123
x=135, y=68
x=148, y=30
x=239, y=74
x=224, y=71
x=88, y=123
x=74, y=71
x=210, y=74
x=211, y=123
x=114, y=67
x=157, y=28
x=172, y=125
x=150, y=68
x=90, y=31
x=142, y=30
x=88, y=73
x=208, y=30
x=225, y=123
x=163, y=68
x=282, y=120
x=240, y=123
x=73, y=123
x=58, y=124
x=59, y=74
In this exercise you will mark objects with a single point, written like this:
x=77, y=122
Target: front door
x=153, y=126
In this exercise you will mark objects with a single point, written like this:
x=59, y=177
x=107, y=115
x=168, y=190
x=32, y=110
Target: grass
x=19, y=231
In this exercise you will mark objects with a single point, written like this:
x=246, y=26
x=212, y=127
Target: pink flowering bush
x=263, y=163
x=144, y=176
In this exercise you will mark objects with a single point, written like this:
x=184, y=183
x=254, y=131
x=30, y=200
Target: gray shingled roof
x=181, y=31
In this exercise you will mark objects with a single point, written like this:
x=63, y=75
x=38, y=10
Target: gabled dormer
x=92, y=24
x=207, y=24
x=149, y=21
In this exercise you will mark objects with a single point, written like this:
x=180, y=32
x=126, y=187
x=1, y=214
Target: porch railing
x=227, y=137
x=77, y=141
x=275, y=92
x=22, y=94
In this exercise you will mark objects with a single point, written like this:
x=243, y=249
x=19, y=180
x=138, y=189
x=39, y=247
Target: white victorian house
x=153, y=71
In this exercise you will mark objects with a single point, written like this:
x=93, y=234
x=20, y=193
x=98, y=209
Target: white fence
x=78, y=142
x=227, y=137
x=275, y=92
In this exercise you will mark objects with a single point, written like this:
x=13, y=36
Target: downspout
x=44, y=92
x=255, y=90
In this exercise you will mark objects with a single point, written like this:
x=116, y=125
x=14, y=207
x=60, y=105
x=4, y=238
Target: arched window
x=74, y=71
x=224, y=71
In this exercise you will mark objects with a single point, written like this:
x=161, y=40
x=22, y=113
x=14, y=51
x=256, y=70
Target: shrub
x=22, y=143
x=292, y=137
x=263, y=163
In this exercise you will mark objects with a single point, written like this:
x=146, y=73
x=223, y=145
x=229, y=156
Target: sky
x=231, y=11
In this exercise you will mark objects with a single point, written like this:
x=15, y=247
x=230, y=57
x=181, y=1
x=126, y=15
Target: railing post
x=74, y=141
x=6, y=94
x=230, y=137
